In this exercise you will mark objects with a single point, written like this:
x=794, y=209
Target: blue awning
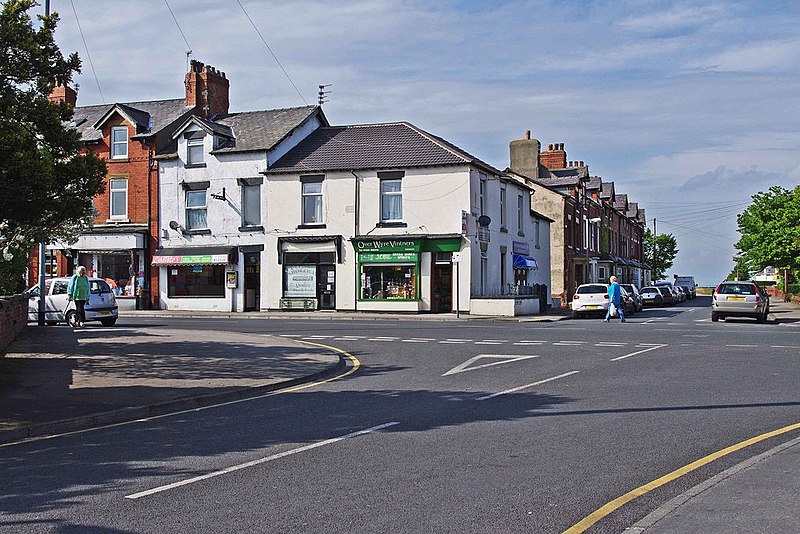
x=524, y=262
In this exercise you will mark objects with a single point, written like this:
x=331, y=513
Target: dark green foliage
x=659, y=253
x=47, y=183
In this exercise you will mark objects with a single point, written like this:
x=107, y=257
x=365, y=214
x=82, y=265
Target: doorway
x=326, y=287
x=442, y=287
x=252, y=281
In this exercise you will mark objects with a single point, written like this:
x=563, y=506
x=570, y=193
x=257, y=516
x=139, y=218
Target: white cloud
x=768, y=56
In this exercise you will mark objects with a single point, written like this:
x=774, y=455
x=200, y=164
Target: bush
x=794, y=288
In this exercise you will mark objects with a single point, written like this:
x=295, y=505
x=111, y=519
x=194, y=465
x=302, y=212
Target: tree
x=741, y=270
x=659, y=252
x=47, y=180
x=770, y=230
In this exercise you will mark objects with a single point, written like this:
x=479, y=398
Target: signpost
x=456, y=259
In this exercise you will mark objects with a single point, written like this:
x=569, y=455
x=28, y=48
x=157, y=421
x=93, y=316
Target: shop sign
x=301, y=281
x=388, y=245
x=391, y=257
x=521, y=247
x=200, y=259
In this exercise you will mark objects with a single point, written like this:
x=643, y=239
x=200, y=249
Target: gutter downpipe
x=357, y=229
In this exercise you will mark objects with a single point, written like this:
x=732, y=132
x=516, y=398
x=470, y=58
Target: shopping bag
x=612, y=309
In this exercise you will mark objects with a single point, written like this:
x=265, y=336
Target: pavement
x=56, y=379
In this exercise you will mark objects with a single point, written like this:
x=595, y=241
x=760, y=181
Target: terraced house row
x=208, y=209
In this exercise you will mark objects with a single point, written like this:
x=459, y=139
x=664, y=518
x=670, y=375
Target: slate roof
x=570, y=176
x=595, y=183
x=641, y=217
x=372, y=146
x=633, y=210
x=607, y=191
x=621, y=202
x=161, y=112
x=262, y=130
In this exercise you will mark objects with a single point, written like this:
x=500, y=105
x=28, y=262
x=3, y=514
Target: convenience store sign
x=388, y=245
x=389, y=257
x=201, y=259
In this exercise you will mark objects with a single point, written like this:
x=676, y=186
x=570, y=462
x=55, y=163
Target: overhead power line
x=185, y=40
x=88, y=55
x=271, y=52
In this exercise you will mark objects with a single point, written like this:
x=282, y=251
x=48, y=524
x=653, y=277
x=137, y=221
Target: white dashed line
x=742, y=346
x=783, y=347
x=290, y=335
x=609, y=344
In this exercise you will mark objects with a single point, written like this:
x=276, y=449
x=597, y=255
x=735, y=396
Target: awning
x=196, y=256
x=524, y=262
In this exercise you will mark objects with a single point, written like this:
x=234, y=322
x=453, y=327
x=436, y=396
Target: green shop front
x=406, y=273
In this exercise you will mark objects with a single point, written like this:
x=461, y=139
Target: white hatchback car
x=590, y=298
x=101, y=306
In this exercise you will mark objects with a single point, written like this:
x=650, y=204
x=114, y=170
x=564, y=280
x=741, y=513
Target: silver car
x=101, y=306
x=739, y=299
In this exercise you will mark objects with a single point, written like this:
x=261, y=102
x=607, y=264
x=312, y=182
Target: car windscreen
x=627, y=287
x=585, y=290
x=99, y=286
x=650, y=290
x=737, y=289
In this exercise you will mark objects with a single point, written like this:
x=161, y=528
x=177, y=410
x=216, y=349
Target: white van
x=689, y=282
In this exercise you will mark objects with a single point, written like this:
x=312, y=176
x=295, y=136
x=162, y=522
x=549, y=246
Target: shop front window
x=196, y=281
x=118, y=271
x=380, y=282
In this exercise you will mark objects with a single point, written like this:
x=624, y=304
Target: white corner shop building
x=286, y=212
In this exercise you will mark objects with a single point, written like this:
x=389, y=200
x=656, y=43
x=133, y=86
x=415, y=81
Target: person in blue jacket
x=615, y=297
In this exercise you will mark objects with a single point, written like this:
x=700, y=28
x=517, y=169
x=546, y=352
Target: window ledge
x=504, y=229
x=205, y=231
x=312, y=225
x=118, y=160
x=118, y=221
x=391, y=224
x=194, y=165
x=251, y=228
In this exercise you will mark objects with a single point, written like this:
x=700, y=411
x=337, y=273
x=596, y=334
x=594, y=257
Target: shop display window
x=381, y=282
x=196, y=281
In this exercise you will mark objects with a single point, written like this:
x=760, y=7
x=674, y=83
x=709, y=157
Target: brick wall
x=13, y=318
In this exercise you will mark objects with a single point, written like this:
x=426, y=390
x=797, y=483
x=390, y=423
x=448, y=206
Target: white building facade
x=362, y=218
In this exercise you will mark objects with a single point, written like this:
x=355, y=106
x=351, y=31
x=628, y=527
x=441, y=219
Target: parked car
x=681, y=294
x=627, y=301
x=739, y=299
x=668, y=295
x=635, y=295
x=590, y=299
x=101, y=306
x=651, y=297
x=688, y=291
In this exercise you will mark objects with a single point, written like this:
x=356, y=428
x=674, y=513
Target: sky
x=690, y=107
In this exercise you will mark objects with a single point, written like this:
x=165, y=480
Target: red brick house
x=124, y=235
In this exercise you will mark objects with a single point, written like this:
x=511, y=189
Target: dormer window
x=119, y=142
x=194, y=148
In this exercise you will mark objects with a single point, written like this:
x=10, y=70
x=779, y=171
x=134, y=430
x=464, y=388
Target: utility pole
x=654, y=226
x=42, y=299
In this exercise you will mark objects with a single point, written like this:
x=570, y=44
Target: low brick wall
x=13, y=318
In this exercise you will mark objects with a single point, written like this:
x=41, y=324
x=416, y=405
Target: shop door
x=326, y=287
x=252, y=281
x=442, y=298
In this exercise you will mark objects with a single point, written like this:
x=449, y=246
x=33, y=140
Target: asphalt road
x=443, y=427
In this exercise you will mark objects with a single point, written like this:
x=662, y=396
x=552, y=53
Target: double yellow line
x=605, y=510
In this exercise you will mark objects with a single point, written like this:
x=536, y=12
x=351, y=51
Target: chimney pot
x=561, y=146
x=581, y=164
x=550, y=146
x=527, y=134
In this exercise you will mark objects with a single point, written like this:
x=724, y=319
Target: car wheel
x=108, y=322
x=714, y=317
x=72, y=318
x=51, y=323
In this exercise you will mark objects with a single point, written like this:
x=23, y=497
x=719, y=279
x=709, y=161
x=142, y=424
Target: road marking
x=488, y=342
x=650, y=344
x=695, y=335
x=635, y=353
x=569, y=343
x=506, y=358
x=742, y=346
x=530, y=342
x=317, y=337
x=609, y=344
x=447, y=341
x=258, y=462
x=383, y=339
x=458, y=339
x=513, y=390
x=783, y=347
x=608, y=508
x=288, y=335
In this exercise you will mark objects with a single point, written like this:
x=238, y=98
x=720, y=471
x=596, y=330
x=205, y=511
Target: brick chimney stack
x=63, y=93
x=525, y=156
x=207, y=89
x=555, y=157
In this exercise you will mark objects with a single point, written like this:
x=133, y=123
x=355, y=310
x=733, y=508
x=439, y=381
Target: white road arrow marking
x=505, y=358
